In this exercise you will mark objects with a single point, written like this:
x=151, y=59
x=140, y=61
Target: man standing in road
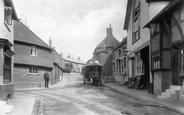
x=46, y=77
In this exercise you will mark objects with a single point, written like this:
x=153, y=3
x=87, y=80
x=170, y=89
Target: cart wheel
x=91, y=81
x=84, y=80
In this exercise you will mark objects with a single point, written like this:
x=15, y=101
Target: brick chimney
x=109, y=30
x=50, y=42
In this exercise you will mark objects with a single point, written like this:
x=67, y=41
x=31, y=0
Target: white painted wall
x=156, y=7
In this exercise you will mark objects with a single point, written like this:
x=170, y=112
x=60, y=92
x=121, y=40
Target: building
x=33, y=58
x=76, y=63
x=103, y=54
x=8, y=14
x=120, y=62
x=57, y=71
x=167, y=39
x=138, y=40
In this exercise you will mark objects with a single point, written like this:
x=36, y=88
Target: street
x=75, y=98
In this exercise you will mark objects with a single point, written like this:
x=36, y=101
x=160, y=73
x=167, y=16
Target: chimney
x=109, y=30
x=50, y=42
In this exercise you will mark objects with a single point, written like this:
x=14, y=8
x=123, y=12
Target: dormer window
x=8, y=15
x=33, y=51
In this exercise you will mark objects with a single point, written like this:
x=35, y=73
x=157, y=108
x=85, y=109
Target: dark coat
x=46, y=76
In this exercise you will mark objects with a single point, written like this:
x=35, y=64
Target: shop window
x=33, y=70
x=155, y=29
x=182, y=61
x=7, y=70
x=155, y=60
x=8, y=15
x=33, y=51
x=139, y=64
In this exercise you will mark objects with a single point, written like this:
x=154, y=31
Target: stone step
x=162, y=97
x=175, y=87
x=2, y=103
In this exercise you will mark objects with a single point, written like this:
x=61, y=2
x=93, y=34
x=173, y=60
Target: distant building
x=7, y=15
x=33, y=58
x=76, y=63
x=57, y=71
x=103, y=53
x=120, y=62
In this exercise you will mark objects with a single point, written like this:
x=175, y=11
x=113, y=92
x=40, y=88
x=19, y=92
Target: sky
x=76, y=27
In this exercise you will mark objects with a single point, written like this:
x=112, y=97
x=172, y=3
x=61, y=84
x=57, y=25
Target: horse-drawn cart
x=92, y=74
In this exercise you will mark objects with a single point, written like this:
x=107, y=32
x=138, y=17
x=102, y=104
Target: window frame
x=8, y=18
x=34, y=51
x=155, y=61
x=181, y=65
x=34, y=70
x=154, y=29
x=7, y=68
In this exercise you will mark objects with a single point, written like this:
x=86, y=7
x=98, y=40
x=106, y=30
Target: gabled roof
x=10, y=3
x=128, y=12
x=109, y=41
x=123, y=42
x=23, y=34
x=165, y=12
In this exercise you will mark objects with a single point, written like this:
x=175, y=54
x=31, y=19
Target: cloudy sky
x=76, y=27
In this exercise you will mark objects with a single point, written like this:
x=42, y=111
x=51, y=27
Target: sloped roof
x=109, y=41
x=165, y=12
x=74, y=60
x=128, y=12
x=30, y=60
x=23, y=34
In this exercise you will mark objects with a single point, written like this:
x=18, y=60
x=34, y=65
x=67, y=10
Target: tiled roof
x=23, y=34
x=30, y=60
x=109, y=41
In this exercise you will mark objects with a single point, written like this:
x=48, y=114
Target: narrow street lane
x=79, y=99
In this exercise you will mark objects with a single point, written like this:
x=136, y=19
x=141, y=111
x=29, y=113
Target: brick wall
x=22, y=78
x=23, y=55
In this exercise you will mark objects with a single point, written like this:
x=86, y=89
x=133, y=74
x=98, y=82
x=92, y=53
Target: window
x=8, y=15
x=182, y=61
x=33, y=70
x=156, y=60
x=124, y=62
x=155, y=29
x=33, y=51
x=136, y=13
x=140, y=65
x=182, y=13
x=136, y=21
x=7, y=70
x=136, y=35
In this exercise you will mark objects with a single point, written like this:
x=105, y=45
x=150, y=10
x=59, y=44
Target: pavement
x=25, y=105
x=145, y=96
